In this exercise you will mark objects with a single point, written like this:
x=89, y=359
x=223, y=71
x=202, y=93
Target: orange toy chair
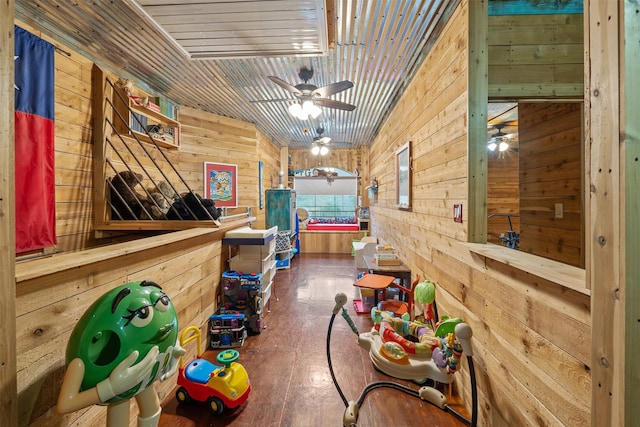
x=399, y=308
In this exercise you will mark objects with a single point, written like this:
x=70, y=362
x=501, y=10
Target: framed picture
x=221, y=184
x=403, y=177
x=260, y=185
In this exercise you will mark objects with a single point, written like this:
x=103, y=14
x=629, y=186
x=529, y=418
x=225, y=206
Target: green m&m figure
x=124, y=342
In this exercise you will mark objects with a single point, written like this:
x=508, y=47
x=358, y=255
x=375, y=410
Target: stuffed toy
x=160, y=199
x=125, y=200
x=155, y=207
x=166, y=192
x=200, y=207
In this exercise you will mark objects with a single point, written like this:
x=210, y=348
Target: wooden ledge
x=563, y=274
x=33, y=268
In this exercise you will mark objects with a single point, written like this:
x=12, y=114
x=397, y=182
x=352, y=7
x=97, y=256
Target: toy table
x=375, y=282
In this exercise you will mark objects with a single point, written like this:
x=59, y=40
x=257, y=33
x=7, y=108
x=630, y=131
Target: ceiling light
x=295, y=109
x=304, y=110
x=312, y=109
x=315, y=149
x=503, y=146
x=492, y=146
x=324, y=150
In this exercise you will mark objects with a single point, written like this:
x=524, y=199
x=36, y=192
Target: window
x=533, y=150
x=331, y=196
x=535, y=184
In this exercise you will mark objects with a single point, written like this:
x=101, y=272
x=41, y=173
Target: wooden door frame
x=8, y=364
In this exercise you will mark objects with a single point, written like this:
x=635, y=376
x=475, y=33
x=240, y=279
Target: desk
x=375, y=282
x=401, y=271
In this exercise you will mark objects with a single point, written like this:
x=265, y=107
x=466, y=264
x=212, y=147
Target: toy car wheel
x=216, y=405
x=182, y=396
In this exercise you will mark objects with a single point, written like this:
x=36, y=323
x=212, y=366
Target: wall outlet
x=559, y=210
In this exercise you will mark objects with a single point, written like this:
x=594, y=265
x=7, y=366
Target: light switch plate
x=457, y=213
x=559, y=210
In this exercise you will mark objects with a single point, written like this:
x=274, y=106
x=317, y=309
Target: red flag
x=34, y=135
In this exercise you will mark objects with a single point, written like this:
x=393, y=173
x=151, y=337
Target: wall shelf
x=149, y=117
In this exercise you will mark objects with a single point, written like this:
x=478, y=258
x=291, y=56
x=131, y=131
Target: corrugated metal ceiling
x=375, y=44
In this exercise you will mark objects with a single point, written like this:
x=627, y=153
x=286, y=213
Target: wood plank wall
x=208, y=137
x=73, y=151
x=49, y=305
x=189, y=269
x=8, y=382
x=502, y=193
x=531, y=370
x=536, y=56
x=550, y=148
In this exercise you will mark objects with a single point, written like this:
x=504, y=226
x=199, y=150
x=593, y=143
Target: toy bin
x=231, y=283
x=283, y=241
x=227, y=329
x=251, y=264
x=283, y=260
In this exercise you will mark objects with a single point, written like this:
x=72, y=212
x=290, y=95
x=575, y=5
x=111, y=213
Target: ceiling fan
x=311, y=96
x=320, y=143
x=499, y=139
x=324, y=140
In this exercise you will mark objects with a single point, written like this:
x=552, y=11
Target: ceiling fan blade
x=273, y=100
x=330, y=103
x=284, y=85
x=341, y=144
x=322, y=139
x=333, y=88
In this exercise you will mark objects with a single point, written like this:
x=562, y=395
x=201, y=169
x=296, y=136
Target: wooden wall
x=536, y=56
x=550, y=149
x=531, y=336
x=502, y=193
x=328, y=242
x=73, y=151
x=53, y=292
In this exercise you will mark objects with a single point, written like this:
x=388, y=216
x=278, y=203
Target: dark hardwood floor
x=287, y=362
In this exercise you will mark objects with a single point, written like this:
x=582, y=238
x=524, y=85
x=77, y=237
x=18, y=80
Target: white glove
x=177, y=353
x=126, y=375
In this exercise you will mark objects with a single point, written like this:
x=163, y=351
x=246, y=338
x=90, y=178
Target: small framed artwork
x=403, y=177
x=260, y=184
x=221, y=184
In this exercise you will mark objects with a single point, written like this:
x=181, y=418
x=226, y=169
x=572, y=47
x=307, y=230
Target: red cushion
x=333, y=227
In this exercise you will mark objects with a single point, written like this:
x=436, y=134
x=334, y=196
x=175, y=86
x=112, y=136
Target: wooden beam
x=604, y=263
x=477, y=120
x=8, y=382
x=631, y=231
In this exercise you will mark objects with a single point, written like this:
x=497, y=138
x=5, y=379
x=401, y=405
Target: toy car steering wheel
x=227, y=357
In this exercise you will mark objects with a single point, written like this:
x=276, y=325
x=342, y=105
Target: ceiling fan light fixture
x=492, y=146
x=295, y=109
x=315, y=149
x=503, y=146
x=311, y=109
x=324, y=150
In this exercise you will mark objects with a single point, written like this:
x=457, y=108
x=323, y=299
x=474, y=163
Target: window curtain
x=34, y=139
x=339, y=185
